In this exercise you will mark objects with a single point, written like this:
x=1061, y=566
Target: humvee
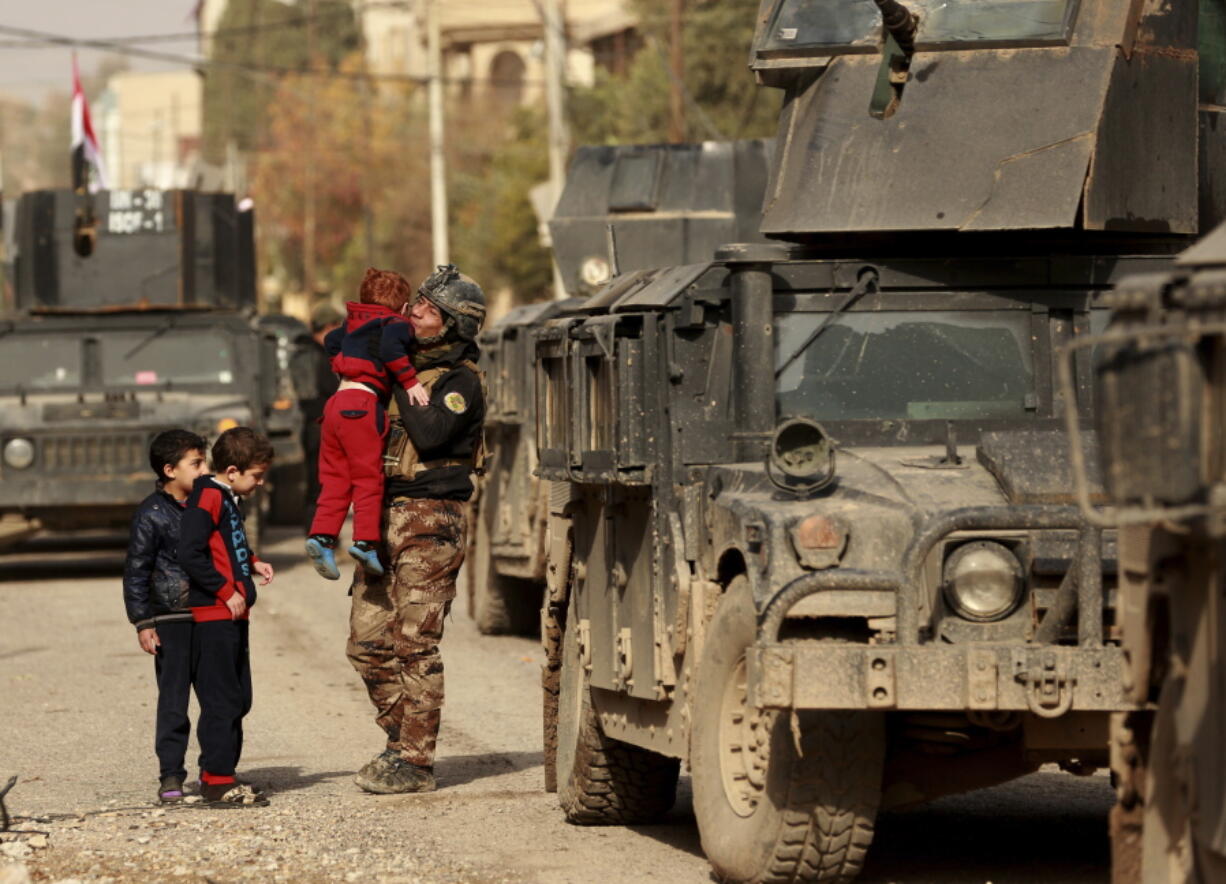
x=1158, y=375
x=624, y=208
x=131, y=315
x=811, y=523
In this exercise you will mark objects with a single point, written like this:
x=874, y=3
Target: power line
x=245, y=67
x=183, y=36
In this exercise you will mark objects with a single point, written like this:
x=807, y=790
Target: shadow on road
x=17, y=652
x=677, y=829
x=1044, y=828
x=456, y=770
x=27, y=569
x=289, y=779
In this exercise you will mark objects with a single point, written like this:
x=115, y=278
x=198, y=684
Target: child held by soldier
x=370, y=352
x=155, y=596
x=219, y=563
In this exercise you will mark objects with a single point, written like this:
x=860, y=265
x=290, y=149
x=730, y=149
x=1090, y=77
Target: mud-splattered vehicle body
x=131, y=315
x=1161, y=415
x=811, y=526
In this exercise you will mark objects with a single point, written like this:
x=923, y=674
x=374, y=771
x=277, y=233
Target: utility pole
x=308, y=209
x=559, y=137
x=676, y=96
x=438, y=170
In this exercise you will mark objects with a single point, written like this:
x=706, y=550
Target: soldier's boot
x=398, y=778
x=367, y=554
x=377, y=766
x=319, y=550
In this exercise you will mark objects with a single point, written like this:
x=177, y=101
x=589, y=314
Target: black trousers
x=311, y=441
x=172, y=666
x=223, y=689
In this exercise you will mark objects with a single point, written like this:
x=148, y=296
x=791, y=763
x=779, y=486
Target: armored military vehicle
x=286, y=484
x=811, y=524
x=131, y=315
x=1160, y=419
x=636, y=207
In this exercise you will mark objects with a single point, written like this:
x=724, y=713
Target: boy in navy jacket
x=219, y=562
x=155, y=596
x=370, y=352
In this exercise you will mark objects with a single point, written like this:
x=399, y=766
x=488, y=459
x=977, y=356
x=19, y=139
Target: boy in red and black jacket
x=371, y=352
x=219, y=563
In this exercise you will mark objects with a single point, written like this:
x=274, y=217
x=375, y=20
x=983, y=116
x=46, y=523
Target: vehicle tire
x=500, y=605
x=602, y=781
x=507, y=605
x=288, y=497
x=552, y=626
x=768, y=809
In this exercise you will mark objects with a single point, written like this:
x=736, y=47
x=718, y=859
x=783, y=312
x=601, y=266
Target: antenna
x=611, y=244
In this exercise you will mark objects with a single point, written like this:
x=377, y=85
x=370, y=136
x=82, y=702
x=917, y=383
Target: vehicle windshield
x=832, y=24
x=29, y=362
x=906, y=365
x=175, y=357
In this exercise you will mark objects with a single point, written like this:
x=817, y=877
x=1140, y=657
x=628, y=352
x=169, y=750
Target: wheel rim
x=744, y=740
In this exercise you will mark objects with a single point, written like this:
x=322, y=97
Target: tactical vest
x=400, y=457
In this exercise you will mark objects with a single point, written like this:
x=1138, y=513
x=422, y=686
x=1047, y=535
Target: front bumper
x=1048, y=681
x=919, y=673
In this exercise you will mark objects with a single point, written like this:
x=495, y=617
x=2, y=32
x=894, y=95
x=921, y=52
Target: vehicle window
x=906, y=365
x=817, y=24
x=175, y=357
x=35, y=363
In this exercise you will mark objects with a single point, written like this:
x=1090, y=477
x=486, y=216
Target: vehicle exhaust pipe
x=753, y=343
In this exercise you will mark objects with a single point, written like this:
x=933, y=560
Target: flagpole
x=438, y=173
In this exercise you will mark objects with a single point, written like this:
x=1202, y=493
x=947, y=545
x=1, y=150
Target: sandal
x=226, y=796
x=170, y=790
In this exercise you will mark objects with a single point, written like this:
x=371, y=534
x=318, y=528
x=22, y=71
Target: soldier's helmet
x=457, y=296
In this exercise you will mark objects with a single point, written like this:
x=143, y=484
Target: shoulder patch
x=455, y=402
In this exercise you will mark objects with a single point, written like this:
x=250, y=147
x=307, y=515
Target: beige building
x=497, y=46
x=487, y=44
x=148, y=126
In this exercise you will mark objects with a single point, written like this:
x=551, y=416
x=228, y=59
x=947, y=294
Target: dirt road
x=76, y=710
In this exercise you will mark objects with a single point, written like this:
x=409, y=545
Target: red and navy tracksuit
x=214, y=552
x=370, y=352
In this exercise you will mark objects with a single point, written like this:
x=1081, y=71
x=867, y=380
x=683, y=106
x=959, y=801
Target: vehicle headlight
x=594, y=271
x=226, y=423
x=19, y=453
x=983, y=581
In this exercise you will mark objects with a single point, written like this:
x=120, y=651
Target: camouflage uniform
x=396, y=622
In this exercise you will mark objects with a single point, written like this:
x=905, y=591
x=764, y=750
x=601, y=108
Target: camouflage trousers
x=396, y=622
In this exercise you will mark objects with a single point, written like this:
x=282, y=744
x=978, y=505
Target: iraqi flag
x=85, y=152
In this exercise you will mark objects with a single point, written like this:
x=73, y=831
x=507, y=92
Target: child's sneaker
x=170, y=790
x=319, y=550
x=231, y=795
x=367, y=555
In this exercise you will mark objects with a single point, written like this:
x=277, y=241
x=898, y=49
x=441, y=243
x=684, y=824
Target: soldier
x=396, y=621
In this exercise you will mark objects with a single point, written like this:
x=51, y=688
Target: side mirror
x=801, y=458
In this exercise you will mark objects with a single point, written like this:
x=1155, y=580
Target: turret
x=147, y=249
x=1043, y=115
x=652, y=206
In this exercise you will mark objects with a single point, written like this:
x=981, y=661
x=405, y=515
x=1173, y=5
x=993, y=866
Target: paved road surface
x=76, y=707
